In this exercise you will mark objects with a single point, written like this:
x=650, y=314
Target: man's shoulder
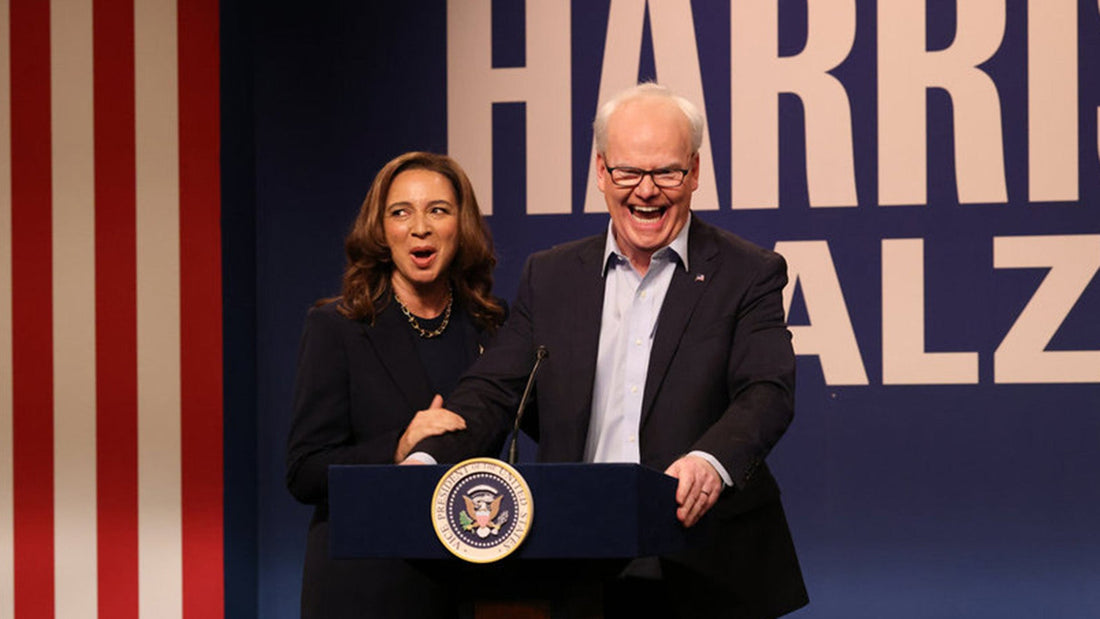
x=724, y=242
x=586, y=247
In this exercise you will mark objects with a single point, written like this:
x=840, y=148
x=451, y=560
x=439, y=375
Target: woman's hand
x=433, y=421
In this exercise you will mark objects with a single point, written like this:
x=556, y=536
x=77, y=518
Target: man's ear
x=601, y=173
x=693, y=173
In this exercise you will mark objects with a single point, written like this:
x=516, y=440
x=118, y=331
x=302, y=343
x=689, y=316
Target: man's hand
x=698, y=490
x=433, y=421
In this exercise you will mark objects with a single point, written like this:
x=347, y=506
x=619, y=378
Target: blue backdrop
x=943, y=462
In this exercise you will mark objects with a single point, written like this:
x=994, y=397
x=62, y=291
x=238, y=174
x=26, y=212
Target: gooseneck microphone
x=540, y=353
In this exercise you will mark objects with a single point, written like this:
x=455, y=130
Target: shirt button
x=634, y=389
x=631, y=439
x=643, y=294
x=638, y=341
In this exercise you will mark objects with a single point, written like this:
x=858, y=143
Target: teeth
x=647, y=213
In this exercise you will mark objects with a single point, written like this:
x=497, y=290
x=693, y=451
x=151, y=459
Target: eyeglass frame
x=644, y=173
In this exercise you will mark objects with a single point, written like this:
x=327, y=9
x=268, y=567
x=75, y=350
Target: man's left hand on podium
x=698, y=489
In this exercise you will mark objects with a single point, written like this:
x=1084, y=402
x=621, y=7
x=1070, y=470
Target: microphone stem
x=540, y=354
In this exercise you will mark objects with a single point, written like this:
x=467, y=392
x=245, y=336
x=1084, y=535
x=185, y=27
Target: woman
x=414, y=311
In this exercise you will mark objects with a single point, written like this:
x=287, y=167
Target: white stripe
x=7, y=537
x=160, y=571
x=74, y=387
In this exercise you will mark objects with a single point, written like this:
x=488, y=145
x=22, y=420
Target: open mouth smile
x=647, y=213
x=423, y=256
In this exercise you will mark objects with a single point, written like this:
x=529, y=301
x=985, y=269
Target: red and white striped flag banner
x=110, y=310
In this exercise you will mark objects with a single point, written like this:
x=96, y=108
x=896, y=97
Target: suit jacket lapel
x=392, y=341
x=683, y=294
x=585, y=308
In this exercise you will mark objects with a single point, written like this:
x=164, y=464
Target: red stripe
x=32, y=331
x=200, y=300
x=116, y=309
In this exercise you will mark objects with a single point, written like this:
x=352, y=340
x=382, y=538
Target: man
x=668, y=347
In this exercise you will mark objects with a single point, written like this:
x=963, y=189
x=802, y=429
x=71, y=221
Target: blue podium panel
x=581, y=511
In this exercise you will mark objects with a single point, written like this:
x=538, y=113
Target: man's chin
x=648, y=242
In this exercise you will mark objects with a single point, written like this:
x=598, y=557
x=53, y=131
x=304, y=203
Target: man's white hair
x=647, y=90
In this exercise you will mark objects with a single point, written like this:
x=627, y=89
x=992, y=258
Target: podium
x=588, y=522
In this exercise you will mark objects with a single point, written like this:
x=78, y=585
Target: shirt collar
x=678, y=248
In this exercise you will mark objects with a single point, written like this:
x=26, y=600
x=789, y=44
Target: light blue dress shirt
x=632, y=303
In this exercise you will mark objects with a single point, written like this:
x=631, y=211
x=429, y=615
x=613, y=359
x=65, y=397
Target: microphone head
x=541, y=352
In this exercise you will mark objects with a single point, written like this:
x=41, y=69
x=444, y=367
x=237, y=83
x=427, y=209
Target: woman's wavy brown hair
x=366, y=286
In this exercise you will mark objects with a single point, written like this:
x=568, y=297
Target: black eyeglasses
x=632, y=177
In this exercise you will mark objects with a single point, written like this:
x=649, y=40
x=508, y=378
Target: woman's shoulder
x=326, y=314
x=333, y=313
x=326, y=309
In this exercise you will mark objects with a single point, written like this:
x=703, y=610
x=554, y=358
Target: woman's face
x=420, y=222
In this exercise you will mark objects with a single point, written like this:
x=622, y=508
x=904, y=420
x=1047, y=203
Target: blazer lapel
x=585, y=305
x=392, y=342
x=683, y=294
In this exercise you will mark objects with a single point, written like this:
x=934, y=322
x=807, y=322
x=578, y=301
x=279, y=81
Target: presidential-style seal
x=481, y=510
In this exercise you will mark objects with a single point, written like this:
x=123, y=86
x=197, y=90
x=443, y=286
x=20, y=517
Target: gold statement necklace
x=415, y=324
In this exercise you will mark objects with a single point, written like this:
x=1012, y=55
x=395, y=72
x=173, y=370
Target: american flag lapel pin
x=699, y=277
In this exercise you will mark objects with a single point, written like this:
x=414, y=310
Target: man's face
x=647, y=134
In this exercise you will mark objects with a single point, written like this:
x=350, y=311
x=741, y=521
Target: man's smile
x=647, y=214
